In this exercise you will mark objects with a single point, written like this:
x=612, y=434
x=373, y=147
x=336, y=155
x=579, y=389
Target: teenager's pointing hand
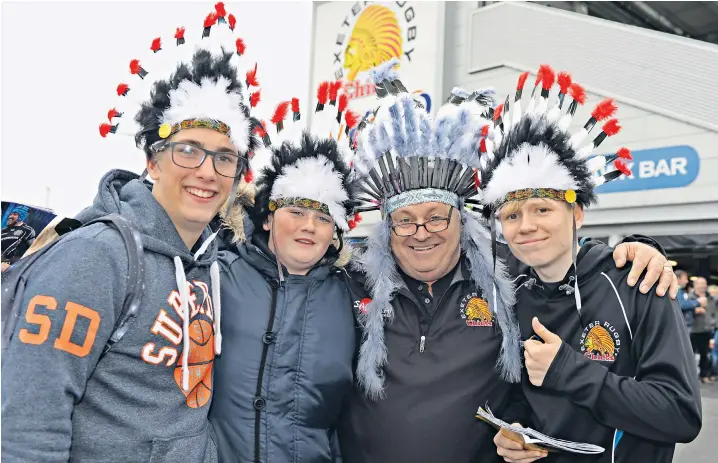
x=539, y=355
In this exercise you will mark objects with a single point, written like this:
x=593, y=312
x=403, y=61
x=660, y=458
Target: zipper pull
x=422, y=343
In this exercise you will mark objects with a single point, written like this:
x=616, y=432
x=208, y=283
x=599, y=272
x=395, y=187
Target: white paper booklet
x=532, y=437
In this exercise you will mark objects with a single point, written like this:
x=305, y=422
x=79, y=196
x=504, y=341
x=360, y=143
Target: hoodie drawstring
x=184, y=305
x=183, y=289
x=574, y=251
x=214, y=275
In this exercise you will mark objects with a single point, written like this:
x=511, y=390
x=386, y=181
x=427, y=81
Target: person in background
x=688, y=305
x=703, y=325
x=17, y=237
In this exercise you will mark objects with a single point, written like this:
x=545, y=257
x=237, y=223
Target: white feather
x=528, y=167
x=210, y=100
x=314, y=178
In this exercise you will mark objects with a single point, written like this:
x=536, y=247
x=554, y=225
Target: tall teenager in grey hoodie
x=147, y=398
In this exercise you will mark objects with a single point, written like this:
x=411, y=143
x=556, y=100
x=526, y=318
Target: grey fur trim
x=235, y=220
x=477, y=247
x=377, y=263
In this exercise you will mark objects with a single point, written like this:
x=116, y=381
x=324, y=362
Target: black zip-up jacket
x=624, y=377
x=428, y=414
x=434, y=385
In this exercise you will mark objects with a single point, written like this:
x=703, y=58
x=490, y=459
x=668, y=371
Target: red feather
x=281, y=112
x=179, y=34
x=219, y=8
x=252, y=77
x=105, y=129
x=156, y=44
x=485, y=131
x=577, y=93
x=522, y=80
x=477, y=181
x=254, y=98
x=625, y=153
x=621, y=165
x=611, y=127
x=135, y=66
x=548, y=78
x=322, y=92
x=539, y=75
x=295, y=105
x=343, y=102
x=357, y=217
x=210, y=19
x=334, y=89
x=352, y=224
x=497, y=112
x=604, y=109
x=112, y=113
x=564, y=81
x=248, y=176
x=260, y=130
x=241, y=47
x=351, y=118
x=232, y=21
x=121, y=89
x=482, y=145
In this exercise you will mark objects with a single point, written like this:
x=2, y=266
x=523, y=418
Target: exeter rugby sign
x=351, y=38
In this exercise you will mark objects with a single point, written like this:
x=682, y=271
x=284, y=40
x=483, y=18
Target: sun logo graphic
x=376, y=38
x=600, y=343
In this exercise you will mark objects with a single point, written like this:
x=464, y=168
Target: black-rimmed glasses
x=432, y=226
x=192, y=156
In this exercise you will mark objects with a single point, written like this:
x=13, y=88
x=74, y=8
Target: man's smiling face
x=426, y=256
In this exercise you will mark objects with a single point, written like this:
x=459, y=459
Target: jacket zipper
x=422, y=335
x=259, y=401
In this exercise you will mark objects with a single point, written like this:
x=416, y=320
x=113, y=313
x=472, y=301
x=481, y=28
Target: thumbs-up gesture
x=539, y=355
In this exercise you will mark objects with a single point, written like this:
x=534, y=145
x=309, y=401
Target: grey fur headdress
x=406, y=158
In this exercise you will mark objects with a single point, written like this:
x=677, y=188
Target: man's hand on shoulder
x=644, y=257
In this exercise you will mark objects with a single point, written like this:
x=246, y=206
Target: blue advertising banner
x=670, y=167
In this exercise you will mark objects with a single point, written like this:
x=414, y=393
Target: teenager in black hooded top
x=604, y=363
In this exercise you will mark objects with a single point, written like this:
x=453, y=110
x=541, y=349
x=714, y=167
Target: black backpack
x=14, y=280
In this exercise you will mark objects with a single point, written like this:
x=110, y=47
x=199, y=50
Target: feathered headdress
x=408, y=158
x=308, y=167
x=188, y=78
x=537, y=157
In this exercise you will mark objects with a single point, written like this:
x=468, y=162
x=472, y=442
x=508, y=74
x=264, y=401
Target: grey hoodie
x=58, y=402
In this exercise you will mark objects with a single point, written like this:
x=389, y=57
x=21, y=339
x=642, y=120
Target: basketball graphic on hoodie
x=199, y=362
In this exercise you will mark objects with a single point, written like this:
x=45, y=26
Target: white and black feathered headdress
x=189, y=78
x=537, y=157
x=407, y=158
x=308, y=167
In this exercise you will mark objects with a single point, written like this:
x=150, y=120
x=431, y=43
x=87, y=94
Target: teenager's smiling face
x=539, y=231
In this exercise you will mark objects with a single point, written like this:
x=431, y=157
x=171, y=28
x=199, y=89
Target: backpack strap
x=135, y=276
x=13, y=282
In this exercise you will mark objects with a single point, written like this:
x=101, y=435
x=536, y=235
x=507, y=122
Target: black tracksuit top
x=428, y=414
x=589, y=393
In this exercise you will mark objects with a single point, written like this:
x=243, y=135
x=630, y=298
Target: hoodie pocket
x=199, y=448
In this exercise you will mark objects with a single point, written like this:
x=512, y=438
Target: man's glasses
x=191, y=157
x=432, y=226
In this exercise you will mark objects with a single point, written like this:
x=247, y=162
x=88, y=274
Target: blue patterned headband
x=424, y=195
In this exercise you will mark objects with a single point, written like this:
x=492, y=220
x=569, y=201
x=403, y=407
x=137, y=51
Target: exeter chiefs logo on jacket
x=600, y=342
x=475, y=311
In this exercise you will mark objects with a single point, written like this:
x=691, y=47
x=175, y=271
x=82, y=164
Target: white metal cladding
x=658, y=72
